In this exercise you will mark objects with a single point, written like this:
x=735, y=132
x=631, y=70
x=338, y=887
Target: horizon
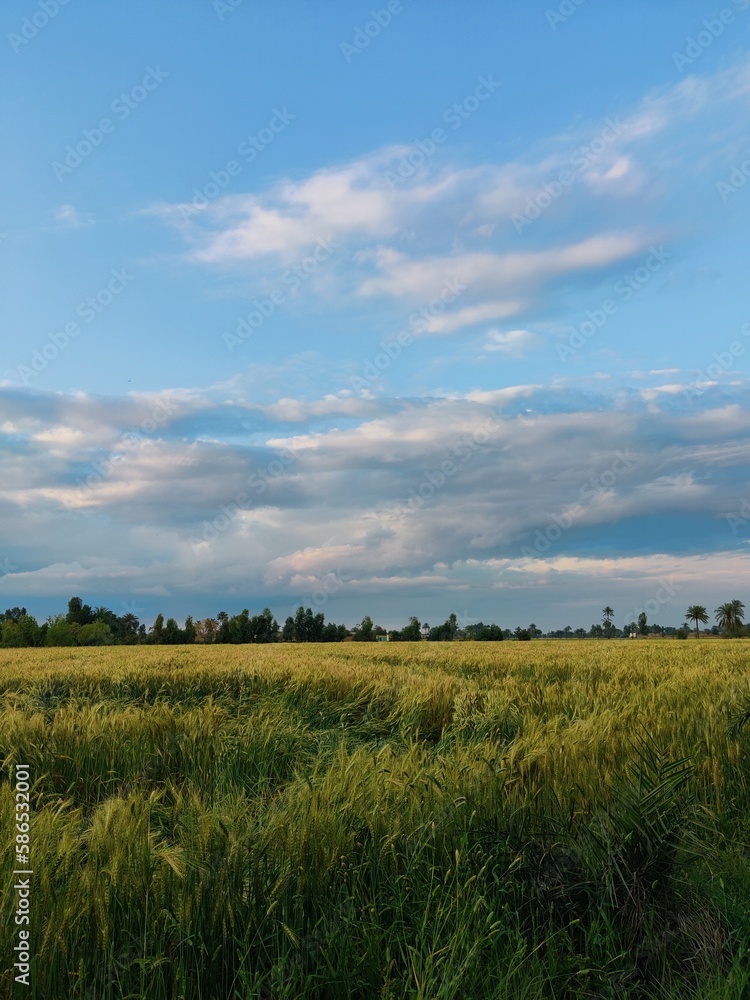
x=362, y=309
x=463, y=622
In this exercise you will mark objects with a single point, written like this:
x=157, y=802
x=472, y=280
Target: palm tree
x=739, y=610
x=697, y=613
x=607, y=615
x=729, y=616
x=130, y=623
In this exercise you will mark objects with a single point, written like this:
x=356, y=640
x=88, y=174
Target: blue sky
x=390, y=309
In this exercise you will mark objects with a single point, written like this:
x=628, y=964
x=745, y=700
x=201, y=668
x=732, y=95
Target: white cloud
x=342, y=500
x=68, y=217
x=471, y=316
x=485, y=273
x=514, y=343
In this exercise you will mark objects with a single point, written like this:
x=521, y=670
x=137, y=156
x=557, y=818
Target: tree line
x=84, y=625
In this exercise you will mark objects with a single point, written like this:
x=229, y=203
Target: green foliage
x=79, y=613
x=98, y=633
x=729, y=617
x=412, y=632
x=446, y=632
x=304, y=627
x=365, y=631
x=188, y=634
x=484, y=633
x=20, y=630
x=60, y=632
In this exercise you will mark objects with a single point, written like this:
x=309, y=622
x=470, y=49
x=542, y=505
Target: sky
x=398, y=309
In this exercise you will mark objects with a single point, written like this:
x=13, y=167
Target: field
x=429, y=820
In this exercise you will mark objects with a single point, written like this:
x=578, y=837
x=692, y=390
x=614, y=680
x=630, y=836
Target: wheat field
x=456, y=820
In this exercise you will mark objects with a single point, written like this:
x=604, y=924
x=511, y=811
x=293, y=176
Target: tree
x=157, y=629
x=96, y=633
x=303, y=624
x=334, y=633
x=59, y=632
x=697, y=613
x=205, y=630
x=13, y=615
x=484, y=633
x=264, y=627
x=446, y=632
x=491, y=633
x=130, y=626
x=413, y=631
x=24, y=631
x=79, y=613
x=607, y=616
x=643, y=623
x=11, y=635
x=222, y=633
x=365, y=631
x=172, y=634
x=729, y=617
x=116, y=624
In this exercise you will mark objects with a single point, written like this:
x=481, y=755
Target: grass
x=556, y=819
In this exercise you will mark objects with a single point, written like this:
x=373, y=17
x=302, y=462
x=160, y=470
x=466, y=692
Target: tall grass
x=520, y=820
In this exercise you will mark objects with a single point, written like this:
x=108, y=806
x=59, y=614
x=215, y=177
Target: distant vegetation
x=84, y=625
x=555, y=820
